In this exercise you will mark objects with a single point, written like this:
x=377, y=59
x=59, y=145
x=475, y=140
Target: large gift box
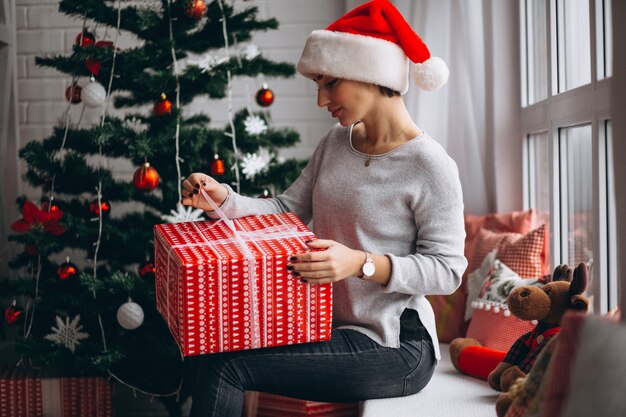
x=223, y=285
x=25, y=393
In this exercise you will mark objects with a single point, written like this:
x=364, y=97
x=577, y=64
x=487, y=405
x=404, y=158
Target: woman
x=385, y=200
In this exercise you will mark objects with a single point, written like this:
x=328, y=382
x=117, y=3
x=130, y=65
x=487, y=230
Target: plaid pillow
x=524, y=254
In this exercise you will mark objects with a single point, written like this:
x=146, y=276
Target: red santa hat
x=373, y=44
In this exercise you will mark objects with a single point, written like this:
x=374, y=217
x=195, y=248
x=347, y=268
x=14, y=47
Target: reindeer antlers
x=579, y=282
x=562, y=273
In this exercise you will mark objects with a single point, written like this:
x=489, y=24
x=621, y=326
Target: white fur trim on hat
x=431, y=74
x=355, y=57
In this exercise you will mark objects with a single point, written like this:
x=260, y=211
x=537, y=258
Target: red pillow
x=450, y=309
x=495, y=330
x=525, y=254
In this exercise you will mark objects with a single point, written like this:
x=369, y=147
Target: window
x=567, y=134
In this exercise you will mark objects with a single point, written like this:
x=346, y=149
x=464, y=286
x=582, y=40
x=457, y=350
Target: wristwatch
x=369, y=268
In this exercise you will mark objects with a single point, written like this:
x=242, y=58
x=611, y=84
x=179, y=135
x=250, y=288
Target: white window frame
x=587, y=104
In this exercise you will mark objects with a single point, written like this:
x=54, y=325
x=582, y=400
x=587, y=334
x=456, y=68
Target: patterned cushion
x=450, y=309
x=492, y=323
x=490, y=285
x=524, y=254
x=496, y=330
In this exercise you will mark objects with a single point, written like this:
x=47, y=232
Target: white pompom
x=534, y=322
x=93, y=94
x=432, y=74
x=506, y=313
x=130, y=315
x=487, y=307
x=496, y=309
x=474, y=304
x=481, y=305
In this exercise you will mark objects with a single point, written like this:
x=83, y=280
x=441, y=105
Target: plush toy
x=545, y=304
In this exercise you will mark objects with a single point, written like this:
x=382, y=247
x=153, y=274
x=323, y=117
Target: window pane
x=537, y=55
x=604, y=48
x=574, y=44
x=612, y=220
x=577, y=146
x=539, y=175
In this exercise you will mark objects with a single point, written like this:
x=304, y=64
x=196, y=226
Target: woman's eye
x=331, y=84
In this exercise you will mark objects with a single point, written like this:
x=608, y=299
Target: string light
x=231, y=122
x=177, y=134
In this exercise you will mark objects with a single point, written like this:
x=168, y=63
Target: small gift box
x=223, y=285
x=24, y=393
x=270, y=405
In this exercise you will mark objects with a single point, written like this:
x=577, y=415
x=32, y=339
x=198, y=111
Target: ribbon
x=239, y=238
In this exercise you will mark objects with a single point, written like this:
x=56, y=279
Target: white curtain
x=456, y=115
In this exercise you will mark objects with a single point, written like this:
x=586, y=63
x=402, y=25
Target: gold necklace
x=367, y=144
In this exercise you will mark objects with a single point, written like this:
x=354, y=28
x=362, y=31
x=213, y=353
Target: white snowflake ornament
x=255, y=125
x=183, y=214
x=67, y=333
x=254, y=164
x=207, y=63
x=250, y=52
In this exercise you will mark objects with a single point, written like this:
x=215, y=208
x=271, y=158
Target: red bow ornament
x=33, y=218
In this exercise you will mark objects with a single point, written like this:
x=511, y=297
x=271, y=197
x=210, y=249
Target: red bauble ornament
x=12, y=313
x=50, y=207
x=163, y=106
x=146, y=178
x=72, y=93
x=147, y=270
x=265, y=96
x=67, y=270
x=93, y=66
x=217, y=166
x=94, y=208
x=85, y=39
x=196, y=9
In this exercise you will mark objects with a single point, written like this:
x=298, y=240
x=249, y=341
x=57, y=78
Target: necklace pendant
x=367, y=162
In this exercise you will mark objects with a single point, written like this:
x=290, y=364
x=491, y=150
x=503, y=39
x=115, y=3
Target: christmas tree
x=95, y=313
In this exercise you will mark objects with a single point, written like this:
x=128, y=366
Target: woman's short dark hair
x=388, y=91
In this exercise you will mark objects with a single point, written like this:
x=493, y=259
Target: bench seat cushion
x=449, y=393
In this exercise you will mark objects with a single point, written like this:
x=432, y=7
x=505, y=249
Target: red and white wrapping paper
x=223, y=285
x=270, y=405
x=24, y=393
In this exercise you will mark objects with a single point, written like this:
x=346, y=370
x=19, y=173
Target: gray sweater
x=407, y=205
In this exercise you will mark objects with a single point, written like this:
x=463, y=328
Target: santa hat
x=373, y=44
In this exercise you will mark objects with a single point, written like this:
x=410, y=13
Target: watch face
x=368, y=269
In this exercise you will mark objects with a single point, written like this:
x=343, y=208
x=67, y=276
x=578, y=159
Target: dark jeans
x=349, y=367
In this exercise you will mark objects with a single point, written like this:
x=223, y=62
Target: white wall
x=42, y=30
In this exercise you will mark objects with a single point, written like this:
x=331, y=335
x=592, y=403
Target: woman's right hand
x=193, y=197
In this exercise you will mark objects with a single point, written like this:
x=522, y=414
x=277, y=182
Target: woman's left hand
x=334, y=263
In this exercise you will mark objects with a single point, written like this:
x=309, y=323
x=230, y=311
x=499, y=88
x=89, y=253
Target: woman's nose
x=322, y=98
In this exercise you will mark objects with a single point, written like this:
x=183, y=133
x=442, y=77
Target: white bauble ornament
x=93, y=94
x=130, y=315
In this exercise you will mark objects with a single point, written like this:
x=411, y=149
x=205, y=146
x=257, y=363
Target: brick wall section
x=42, y=30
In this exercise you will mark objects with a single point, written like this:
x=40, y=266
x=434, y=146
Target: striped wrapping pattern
x=216, y=298
x=24, y=393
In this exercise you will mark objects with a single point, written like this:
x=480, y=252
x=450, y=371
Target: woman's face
x=348, y=101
